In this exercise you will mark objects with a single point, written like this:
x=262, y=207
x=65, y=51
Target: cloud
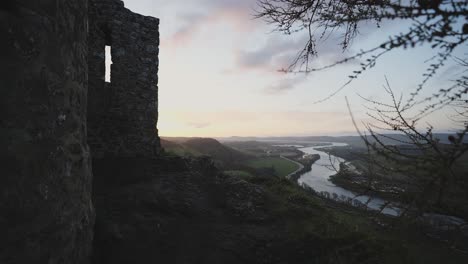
x=223, y=4
x=277, y=53
x=237, y=13
x=285, y=84
x=280, y=51
x=190, y=23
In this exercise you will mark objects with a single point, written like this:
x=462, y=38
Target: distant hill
x=178, y=148
x=176, y=139
x=351, y=140
x=204, y=146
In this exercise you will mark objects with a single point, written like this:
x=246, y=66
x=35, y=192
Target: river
x=319, y=178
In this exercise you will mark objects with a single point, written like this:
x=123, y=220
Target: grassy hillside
x=235, y=160
x=280, y=166
x=178, y=149
x=223, y=155
x=211, y=147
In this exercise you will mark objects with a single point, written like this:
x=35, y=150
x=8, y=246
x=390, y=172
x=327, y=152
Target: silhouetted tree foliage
x=421, y=169
x=435, y=22
x=428, y=164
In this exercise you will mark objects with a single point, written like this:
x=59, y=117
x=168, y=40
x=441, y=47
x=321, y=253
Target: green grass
x=281, y=166
x=239, y=173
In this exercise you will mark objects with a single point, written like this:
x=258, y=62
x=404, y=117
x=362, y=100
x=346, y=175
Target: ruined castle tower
x=122, y=113
x=52, y=108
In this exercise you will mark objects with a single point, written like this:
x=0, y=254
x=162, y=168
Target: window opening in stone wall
x=108, y=64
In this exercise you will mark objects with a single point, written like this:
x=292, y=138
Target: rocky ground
x=197, y=215
x=194, y=214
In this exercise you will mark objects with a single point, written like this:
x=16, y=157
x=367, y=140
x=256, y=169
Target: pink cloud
x=239, y=18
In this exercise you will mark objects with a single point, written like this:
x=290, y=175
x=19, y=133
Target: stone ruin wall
x=122, y=114
x=52, y=106
x=45, y=174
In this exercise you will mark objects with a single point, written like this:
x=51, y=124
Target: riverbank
x=300, y=166
x=396, y=187
x=306, y=163
x=412, y=238
x=330, y=181
x=318, y=178
x=358, y=183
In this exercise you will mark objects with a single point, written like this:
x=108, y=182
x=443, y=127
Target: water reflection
x=319, y=179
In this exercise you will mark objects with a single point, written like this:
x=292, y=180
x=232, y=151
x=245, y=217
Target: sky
x=218, y=74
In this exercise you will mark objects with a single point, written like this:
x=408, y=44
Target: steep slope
x=197, y=215
x=213, y=148
x=178, y=148
x=223, y=155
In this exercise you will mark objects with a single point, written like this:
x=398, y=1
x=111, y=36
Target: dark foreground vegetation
x=84, y=177
x=197, y=214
